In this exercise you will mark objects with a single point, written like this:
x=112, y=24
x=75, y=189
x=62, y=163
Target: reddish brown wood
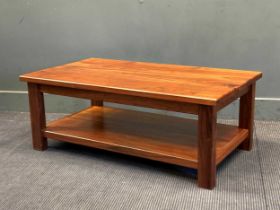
x=236, y=138
x=191, y=84
x=37, y=116
x=207, y=147
x=231, y=97
x=123, y=99
x=246, y=116
x=190, y=89
x=96, y=102
x=157, y=137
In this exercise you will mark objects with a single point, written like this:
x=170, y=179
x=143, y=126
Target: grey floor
x=75, y=177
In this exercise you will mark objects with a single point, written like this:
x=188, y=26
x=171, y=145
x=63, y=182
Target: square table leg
x=37, y=115
x=207, y=123
x=96, y=103
x=246, y=116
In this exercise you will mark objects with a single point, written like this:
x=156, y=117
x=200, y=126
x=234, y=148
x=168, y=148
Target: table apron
x=122, y=99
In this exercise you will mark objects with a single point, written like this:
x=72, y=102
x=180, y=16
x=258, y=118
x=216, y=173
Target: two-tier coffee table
x=200, y=144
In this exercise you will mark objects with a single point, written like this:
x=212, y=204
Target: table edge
x=132, y=92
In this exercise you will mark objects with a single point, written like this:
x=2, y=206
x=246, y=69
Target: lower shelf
x=153, y=136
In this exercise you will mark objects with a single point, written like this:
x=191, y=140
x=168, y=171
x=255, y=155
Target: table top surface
x=192, y=84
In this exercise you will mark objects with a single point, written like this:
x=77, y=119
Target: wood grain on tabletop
x=191, y=84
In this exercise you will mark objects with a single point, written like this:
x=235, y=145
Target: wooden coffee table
x=200, y=144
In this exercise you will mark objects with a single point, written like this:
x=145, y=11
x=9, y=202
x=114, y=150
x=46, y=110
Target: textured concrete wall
x=237, y=34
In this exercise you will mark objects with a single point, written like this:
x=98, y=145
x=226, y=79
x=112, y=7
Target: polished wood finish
x=199, y=85
x=202, y=91
x=123, y=99
x=230, y=98
x=158, y=137
x=246, y=116
x=207, y=126
x=37, y=116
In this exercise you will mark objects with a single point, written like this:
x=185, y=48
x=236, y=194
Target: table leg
x=207, y=123
x=246, y=116
x=96, y=103
x=37, y=116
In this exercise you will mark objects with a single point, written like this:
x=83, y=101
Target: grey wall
x=239, y=34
